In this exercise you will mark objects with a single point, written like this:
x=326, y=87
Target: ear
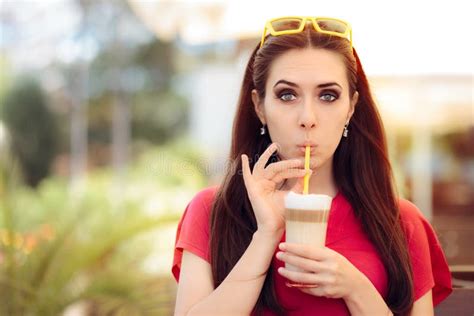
x=354, y=99
x=258, y=106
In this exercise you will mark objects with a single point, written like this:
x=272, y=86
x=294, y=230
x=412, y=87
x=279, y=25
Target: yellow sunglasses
x=296, y=24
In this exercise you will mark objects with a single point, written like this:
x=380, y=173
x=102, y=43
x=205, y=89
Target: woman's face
x=307, y=101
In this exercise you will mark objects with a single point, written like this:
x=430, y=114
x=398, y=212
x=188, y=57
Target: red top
x=344, y=235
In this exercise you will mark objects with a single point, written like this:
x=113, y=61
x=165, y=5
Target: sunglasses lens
x=332, y=26
x=286, y=24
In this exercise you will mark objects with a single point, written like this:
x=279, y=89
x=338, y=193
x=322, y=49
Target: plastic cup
x=306, y=220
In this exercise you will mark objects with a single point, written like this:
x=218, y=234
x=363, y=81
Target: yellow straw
x=306, y=167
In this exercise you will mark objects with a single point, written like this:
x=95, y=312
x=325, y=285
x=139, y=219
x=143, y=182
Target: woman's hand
x=327, y=272
x=261, y=184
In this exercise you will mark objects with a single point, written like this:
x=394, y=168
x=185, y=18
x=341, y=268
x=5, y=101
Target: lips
x=307, y=143
x=303, y=149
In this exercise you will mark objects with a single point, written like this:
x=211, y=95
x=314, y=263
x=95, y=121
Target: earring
x=346, y=131
x=262, y=130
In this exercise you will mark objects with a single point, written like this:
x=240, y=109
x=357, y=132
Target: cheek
x=280, y=129
x=332, y=128
x=332, y=120
x=279, y=120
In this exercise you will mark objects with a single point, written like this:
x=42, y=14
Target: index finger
x=245, y=168
x=262, y=161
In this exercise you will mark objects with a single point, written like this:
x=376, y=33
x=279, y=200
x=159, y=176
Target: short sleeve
x=193, y=229
x=430, y=268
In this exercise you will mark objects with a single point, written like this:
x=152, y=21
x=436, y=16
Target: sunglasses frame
x=304, y=19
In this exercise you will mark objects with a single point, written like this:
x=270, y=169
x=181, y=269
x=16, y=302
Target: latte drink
x=306, y=219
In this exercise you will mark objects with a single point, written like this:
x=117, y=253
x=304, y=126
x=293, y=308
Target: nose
x=308, y=116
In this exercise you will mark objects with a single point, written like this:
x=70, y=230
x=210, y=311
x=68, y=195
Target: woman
x=304, y=85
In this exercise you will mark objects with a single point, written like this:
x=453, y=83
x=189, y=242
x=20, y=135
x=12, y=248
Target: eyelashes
x=288, y=95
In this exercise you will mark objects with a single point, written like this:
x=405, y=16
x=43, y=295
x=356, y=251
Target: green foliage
x=159, y=116
x=158, y=58
x=57, y=250
x=32, y=128
x=4, y=76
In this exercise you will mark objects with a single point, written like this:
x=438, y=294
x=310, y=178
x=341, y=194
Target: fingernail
x=282, y=246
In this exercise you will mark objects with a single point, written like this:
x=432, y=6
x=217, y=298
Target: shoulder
x=198, y=209
x=207, y=194
x=192, y=233
x=429, y=265
x=203, y=199
x=408, y=210
x=412, y=219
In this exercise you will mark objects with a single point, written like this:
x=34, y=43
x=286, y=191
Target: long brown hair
x=361, y=170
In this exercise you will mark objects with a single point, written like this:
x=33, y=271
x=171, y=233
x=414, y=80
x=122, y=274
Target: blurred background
x=113, y=114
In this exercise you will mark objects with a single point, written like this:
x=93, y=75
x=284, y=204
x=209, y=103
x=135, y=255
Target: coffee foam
x=307, y=201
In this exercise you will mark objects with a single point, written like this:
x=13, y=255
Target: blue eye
x=287, y=96
x=329, y=97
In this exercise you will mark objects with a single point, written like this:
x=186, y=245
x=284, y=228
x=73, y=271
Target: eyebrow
x=322, y=85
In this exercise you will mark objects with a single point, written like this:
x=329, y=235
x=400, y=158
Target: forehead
x=308, y=66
